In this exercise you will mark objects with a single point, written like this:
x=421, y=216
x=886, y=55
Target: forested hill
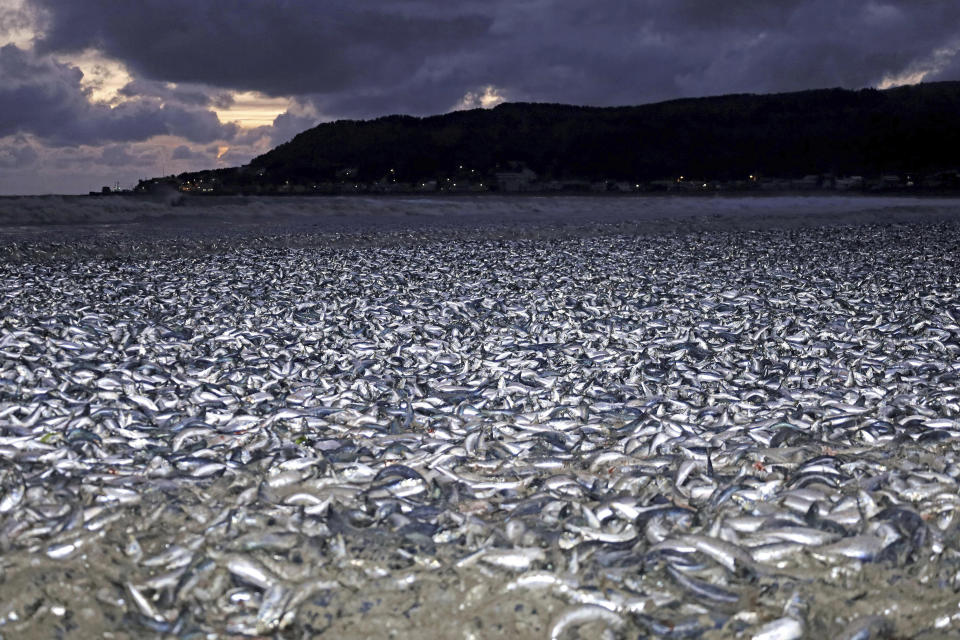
x=842, y=132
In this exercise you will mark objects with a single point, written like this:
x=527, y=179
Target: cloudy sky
x=95, y=92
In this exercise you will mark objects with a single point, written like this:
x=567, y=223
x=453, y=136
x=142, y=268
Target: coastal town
x=518, y=178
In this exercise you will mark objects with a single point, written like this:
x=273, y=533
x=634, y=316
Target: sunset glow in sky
x=94, y=92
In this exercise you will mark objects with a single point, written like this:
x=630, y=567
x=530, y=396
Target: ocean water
x=396, y=211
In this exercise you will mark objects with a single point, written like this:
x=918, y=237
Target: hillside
x=913, y=129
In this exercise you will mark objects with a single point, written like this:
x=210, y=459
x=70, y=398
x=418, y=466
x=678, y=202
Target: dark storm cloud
x=822, y=43
x=234, y=158
x=17, y=156
x=196, y=125
x=614, y=53
x=284, y=127
x=276, y=47
x=949, y=71
x=14, y=20
x=45, y=98
x=119, y=155
x=287, y=125
x=183, y=152
x=196, y=96
x=361, y=59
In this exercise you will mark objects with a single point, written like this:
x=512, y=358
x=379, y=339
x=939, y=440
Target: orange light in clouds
x=222, y=150
x=252, y=109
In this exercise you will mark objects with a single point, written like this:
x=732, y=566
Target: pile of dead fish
x=751, y=434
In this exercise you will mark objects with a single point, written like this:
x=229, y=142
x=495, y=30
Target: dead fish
x=780, y=629
x=644, y=426
x=583, y=615
x=11, y=483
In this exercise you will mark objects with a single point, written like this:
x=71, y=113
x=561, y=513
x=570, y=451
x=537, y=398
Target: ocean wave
x=709, y=212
